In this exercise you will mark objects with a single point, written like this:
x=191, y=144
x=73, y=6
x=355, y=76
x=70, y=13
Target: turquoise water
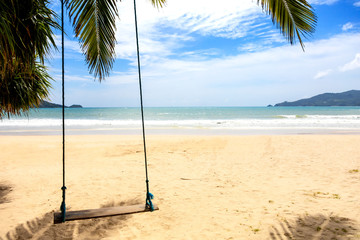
x=189, y=113
x=223, y=118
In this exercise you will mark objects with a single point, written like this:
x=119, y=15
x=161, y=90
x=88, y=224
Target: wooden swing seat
x=101, y=212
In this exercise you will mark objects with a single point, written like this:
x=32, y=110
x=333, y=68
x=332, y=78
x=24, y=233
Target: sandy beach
x=207, y=187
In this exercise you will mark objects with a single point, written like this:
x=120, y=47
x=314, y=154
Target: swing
x=60, y=217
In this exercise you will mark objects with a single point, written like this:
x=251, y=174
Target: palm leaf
x=25, y=40
x=42, y=38
x=295, y=18
x=23, y=87
x=158, y=3
x=7, y=38
x=94, y=23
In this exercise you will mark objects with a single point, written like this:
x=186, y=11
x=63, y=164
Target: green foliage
x=349, y=98
x=158, y=3
x=26, y=30
x=25, y=40
x=94, y=25
x=23, y=87
x=295, y=18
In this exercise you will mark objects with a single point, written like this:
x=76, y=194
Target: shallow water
x=188, y=120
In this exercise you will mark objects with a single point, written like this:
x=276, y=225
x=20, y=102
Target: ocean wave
x=287, y=121
x=319, y=116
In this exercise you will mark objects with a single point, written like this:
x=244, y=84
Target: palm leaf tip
x=294, y=18
x=158, y=3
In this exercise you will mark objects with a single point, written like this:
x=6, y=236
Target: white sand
x=207, y=187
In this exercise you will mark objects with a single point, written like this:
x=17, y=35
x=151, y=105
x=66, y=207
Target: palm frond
x=7, y=38
x=158, y=3
x=295, y=18
x=26, y=29
x=23, y=87
x=94, y=23
x=43, y=20
x=25, y=40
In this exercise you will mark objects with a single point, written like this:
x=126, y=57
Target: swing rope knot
x=149, y=203
x=63, y=205
x=63, y=188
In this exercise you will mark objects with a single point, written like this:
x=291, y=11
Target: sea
x=186, y=120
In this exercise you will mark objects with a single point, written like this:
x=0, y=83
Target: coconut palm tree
x=25, y=40
x=94, y=26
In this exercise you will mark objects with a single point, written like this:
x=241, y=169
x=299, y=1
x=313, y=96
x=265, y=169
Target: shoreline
x=179, y=131
x=188, y=121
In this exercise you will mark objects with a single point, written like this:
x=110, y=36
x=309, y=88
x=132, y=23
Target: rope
x=63, y=188
x=149, y=196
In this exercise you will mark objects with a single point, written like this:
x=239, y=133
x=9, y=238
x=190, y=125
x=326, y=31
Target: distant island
x=45, y=104
x=349, y=98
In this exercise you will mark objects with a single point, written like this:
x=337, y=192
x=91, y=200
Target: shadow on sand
x=319, y=227
x=43, y=228
x=4, y=190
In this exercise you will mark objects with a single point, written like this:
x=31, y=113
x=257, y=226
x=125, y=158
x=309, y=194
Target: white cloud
x=347, y=26
x=251, y=47
x=73, y=78
x=357, y=4
x=271, y=76
x=177, y=75
x=163, y=31
x=72, y=49
x=210, y=17
x=68, y=44
x=322, y=2
x=284, y=72
x=354, y=64
x=322, y=74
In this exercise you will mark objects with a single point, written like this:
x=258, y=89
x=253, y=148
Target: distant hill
x=45, y=104
x=349, y=98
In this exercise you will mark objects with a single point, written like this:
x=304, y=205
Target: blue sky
x=207, y=53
